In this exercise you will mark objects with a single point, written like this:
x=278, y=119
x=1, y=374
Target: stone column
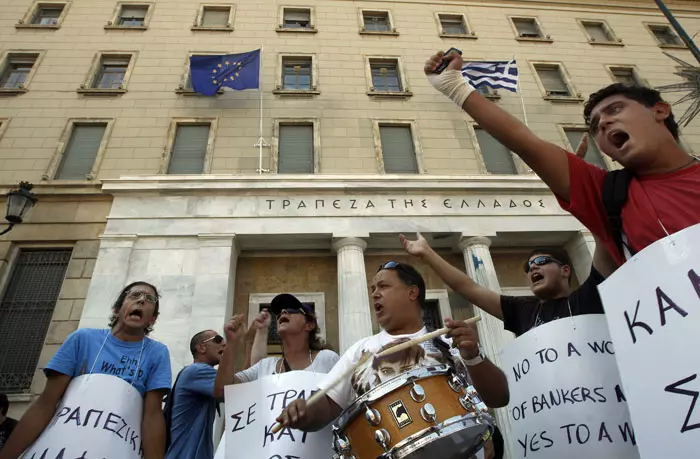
x=580, y=249
x=492, y=336
x=354, y=313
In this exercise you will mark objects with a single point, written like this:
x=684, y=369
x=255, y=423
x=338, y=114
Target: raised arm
x=226, y=374
x=603, y=262
x=457, y=280
x=543, y=157
x=261, y=325
x=37, y=417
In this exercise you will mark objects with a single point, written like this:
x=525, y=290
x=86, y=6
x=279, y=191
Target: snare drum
x=427, y=412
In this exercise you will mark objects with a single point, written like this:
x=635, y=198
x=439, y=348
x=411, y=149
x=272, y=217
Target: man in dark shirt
x=7, y=425
x=549, y=273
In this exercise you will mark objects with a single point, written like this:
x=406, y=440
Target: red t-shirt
x=673, y=198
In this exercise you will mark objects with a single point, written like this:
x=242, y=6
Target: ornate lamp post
x=19, y=202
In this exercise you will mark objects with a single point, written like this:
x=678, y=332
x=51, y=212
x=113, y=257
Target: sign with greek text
x=566, y=400
x=251, y=409
x=652, y=305
x=99, y=417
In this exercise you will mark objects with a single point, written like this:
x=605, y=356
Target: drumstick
x=422, y=338
x=322, y=392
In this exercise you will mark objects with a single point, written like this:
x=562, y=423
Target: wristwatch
x=474, y=361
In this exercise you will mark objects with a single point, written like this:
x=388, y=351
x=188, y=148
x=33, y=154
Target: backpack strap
x=168, y=410
x=615, y=190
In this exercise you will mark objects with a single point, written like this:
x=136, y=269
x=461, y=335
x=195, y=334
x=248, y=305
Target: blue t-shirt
x=194, y=408
x=78, y=353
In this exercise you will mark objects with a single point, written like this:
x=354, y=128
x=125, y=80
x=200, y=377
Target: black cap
x=289, y=301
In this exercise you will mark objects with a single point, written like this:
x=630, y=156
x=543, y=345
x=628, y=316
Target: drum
x=428, y=412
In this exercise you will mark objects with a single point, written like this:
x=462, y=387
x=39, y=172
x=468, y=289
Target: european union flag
x=235, y=71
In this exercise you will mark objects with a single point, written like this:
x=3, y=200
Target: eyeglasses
x=138, y=295
x=540, y=261
x=217, y=339
x=291, y=311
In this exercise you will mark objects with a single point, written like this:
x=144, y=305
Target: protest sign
x=565, y=395
x=652, y=305
x=99, y=417
x=251, y=409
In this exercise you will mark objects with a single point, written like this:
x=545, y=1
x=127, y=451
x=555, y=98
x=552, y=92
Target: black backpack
x=615, y=187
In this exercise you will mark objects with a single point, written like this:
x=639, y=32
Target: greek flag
x=494, y=74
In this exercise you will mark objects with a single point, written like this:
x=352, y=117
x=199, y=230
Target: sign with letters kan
x=652, y=305
x=565, y=394
x=251, y=409
x=99, y=417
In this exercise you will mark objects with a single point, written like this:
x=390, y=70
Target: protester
x=302, y=349
x=7, y=425
x=548, y=272
x=123, y=351
x=632, y=125
x=398, y=293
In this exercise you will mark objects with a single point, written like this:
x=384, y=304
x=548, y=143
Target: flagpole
x=522, y=101
x=260, y=90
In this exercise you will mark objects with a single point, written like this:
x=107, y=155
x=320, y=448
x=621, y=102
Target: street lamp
x=19, y=202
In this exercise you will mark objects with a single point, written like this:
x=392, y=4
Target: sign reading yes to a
x=98, y=417
x=565, y=396
x=652, y=304
x=251, y=409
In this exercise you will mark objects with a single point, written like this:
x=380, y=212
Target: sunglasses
x=216, y=339
x=540, y=261
x=291, y=311
x=138, y=295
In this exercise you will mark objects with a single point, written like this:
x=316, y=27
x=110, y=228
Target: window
x=16, y=70
x=598, y=32
x=25, y=314
x=376, y=21
x=488, y=91
x=432, y=317
x=626, y=75
x=552, y=80
x=132, y=15
x=296, y=149
x=78, y=159
x=528, y=28
x=47, y=15
x=296, y=73
x=497, y=158
x=189, y=150
x=398, y=152
x=664, y=35
x=452, y=24
x=593, y=155
x=215, y=17
x=111, y=72
x=385, y=75
x=296, y=18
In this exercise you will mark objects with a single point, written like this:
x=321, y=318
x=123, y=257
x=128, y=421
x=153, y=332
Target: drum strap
x=287, y=368
x=442, y=346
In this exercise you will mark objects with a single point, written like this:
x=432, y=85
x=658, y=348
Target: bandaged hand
x=450, y=82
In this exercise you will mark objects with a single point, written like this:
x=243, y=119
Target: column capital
x=349, y=241
x=467, y=242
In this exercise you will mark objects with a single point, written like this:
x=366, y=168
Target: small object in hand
x=446, y=62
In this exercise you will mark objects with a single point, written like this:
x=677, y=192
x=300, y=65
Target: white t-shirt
x=322, y=363
x=374, y=371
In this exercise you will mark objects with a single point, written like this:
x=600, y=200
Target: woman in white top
x=302, y=349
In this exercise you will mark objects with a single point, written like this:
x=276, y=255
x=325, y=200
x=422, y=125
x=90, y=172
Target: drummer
x=397, y=293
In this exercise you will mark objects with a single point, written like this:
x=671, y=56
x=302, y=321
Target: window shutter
x=597, y=32
x=297, y=15
x=593, y=155
x=133, y=11
x=296, y=149
x=497, y=158
x=552, y=80
x=189, y=149
x=79, y=156
x=214, y=17
x=526, y=27
x=397, y=150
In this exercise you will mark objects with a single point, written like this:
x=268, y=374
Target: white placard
x=565, y=395
x=251, y=409
x=652, y=305
x=98, y=417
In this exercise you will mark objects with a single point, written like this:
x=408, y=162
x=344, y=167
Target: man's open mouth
x=618, y=138
x=283, y=320
x=536, y=277
x=136, y=313
x=378, y=308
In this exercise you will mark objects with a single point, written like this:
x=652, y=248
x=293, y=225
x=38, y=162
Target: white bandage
x=452, y=84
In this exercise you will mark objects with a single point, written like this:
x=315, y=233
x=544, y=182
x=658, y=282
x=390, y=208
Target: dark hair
x=315, y=341
x=558, y=254
x=4, y=404
x=645, y=96
x=120, y=302
x=194, y=342
x=411, y=277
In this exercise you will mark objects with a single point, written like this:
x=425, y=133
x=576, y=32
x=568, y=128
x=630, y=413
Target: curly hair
x=120, y=302
x=645, y=96
x=315, y=341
